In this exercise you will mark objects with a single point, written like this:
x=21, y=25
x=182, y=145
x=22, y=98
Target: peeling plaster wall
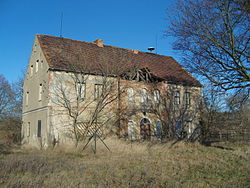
x=35, y=109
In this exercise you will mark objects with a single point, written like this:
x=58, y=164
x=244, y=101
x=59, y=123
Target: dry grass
x=129, y=165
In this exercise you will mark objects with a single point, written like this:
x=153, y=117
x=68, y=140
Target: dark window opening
x=39, y=128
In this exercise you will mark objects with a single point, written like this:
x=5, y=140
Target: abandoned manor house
x=74, y=89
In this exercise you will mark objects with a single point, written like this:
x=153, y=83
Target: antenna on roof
x=61, y=24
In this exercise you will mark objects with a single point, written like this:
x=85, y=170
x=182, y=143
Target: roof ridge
x=128, y=49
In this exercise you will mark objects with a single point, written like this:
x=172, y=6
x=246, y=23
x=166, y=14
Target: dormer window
x=37, y=64
x=31, y=70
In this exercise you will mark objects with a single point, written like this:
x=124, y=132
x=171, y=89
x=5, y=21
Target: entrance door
x=145, y=129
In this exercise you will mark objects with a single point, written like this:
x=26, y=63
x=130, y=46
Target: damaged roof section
x=72, y=55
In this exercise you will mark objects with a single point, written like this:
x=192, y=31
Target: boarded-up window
x=39, y=128
x=98, y=90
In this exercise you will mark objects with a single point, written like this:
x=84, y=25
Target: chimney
x=135, y=51
x=99, y=42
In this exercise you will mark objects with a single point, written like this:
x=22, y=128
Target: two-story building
x=74, y=88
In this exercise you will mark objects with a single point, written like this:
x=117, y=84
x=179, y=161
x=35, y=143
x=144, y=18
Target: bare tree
x=214, y=36
x=7, y=98
x=179, y=116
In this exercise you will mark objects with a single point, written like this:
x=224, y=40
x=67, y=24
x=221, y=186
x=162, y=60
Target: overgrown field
x=129, y=165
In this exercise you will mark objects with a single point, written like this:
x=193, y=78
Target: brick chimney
x=135, y=51
x=99, y=42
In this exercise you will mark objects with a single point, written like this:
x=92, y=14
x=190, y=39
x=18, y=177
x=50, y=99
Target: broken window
x=98, y=90
x=176, y=97
x=81, y=90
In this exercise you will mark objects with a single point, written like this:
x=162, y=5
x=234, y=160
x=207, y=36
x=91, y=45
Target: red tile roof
x=64, y=54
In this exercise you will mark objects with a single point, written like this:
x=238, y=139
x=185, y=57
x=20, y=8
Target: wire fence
x=228, y=136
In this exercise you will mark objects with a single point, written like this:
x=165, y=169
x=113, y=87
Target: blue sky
x=133, y=24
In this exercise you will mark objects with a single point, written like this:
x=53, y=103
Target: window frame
x=82, y=87
x=156, y=95
x=187, y=100
x=144, y=96
x=177, y=98
x=98, y=87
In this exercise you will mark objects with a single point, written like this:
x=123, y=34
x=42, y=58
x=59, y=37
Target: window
x=156, y=94
x=39, y=128
x=178, y=127
x=176, y=97
x=144, y=96
x=130, y=94
x=31, y=70
x=187, y=98
x=28, y=129
x=158, y=128
x=81, y=90
x=98, y=90
x=131, y=130
x=190, y=127
x=27, y=98
x=37, y=64
x=40, y=92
